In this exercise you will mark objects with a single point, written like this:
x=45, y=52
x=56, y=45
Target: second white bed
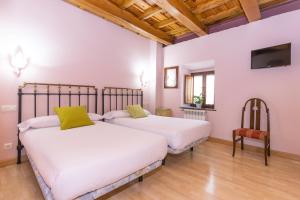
x=180, y=133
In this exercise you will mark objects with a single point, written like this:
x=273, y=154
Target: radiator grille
x=195, y=114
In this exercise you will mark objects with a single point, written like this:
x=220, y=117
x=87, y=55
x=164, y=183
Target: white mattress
x=179, y=132
x=80, y=160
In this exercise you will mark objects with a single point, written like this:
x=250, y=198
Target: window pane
x=198, y=85
x=189, y=91
x=210, y=89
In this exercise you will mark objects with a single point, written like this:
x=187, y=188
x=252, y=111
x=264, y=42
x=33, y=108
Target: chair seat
x=251, y=133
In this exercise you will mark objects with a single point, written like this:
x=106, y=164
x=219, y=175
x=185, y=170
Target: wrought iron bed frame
x=120, y=95
x=129, y=95
x=91, y=91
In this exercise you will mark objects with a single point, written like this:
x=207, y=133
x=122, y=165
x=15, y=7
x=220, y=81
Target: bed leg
x=164, y=162
x=141, y=178
x=19, y=149
x=192, y=149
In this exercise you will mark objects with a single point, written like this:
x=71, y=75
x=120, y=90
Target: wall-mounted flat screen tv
x=275, y=56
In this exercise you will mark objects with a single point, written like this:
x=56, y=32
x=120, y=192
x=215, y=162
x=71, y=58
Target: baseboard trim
x=12, y=161
x=257, y=149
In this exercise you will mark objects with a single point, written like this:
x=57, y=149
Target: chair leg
x=234, y=143
x=266, y=150
x=242, y=142
x=269, y=147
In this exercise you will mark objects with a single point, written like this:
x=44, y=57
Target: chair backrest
x=255, y=113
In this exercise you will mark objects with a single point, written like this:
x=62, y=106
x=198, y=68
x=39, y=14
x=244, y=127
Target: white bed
x=180, y=133
x=77, y=161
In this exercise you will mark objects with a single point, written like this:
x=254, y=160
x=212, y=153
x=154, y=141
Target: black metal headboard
x=56, y=94
x=120, y=98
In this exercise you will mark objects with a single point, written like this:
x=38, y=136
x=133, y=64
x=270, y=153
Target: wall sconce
x=18, y=61
x=144, y=80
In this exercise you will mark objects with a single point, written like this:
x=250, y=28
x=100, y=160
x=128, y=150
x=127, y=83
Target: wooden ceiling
x=164, y=20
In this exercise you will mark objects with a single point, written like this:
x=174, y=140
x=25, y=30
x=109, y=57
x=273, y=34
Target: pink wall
x=66, y=45
x=236, y=82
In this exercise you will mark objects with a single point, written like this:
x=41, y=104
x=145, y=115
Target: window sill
x=195, y=108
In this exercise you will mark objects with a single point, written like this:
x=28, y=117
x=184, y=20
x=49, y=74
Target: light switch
x=8, y=108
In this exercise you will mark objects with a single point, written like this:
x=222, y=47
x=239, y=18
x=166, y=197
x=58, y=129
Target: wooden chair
x=254, y=131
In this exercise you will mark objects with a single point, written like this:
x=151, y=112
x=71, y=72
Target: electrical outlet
x=8, y=108
x=7, y=146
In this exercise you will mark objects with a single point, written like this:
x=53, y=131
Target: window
x=200, y=84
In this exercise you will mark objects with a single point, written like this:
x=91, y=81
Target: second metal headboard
x=121, y=98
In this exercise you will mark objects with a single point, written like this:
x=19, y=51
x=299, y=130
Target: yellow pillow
x=72, y=117
x=166, y=112
x=136, y=111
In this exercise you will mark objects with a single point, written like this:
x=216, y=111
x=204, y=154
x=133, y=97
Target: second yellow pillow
x=136, y=111
x=73, y=117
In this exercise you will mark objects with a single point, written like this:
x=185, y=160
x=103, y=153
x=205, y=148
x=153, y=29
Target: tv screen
x=276, y=56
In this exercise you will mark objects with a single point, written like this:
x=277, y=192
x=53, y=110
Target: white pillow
x=49, y=121
x=39, y=122
x=116, y=114
x=147, y=112
x=120, y=114
x=95, y=117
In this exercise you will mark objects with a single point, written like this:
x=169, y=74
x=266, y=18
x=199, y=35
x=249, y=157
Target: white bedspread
x=178, y=131
x=80, y=160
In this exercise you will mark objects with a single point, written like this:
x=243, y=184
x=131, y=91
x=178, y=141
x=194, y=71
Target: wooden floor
x=210, y=173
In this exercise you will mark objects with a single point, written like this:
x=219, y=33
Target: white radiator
x=195, y=114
